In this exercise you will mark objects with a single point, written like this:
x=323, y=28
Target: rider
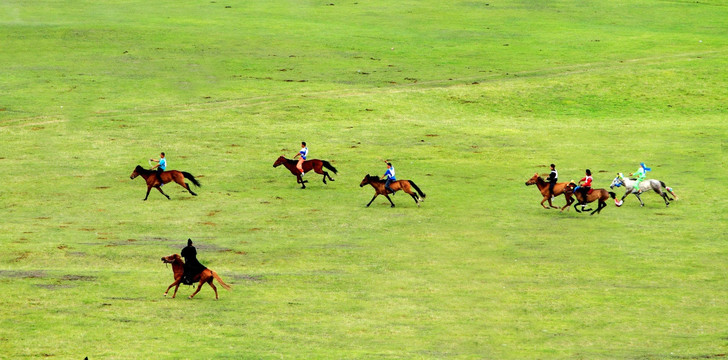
x=303, y=153
x=641, y=174
x=585, y=187
x=192, y=266
x=553, y=177
x=160, y=167
x=389, y=176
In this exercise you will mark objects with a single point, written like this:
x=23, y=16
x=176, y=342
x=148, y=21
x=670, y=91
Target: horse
x=404, y=185
x=559, y=188
x=644, y=186
x=150, y=176
x=206, y=276
x=308, y=165
x=594, y=194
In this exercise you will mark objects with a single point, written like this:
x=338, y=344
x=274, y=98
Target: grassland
x=467, y=98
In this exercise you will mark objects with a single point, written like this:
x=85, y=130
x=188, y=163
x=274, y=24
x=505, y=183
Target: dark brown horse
x=308, y=165
x=150, y=176
x=559, y=188
x=600, y=195
x=178, y=268
x=404, y=185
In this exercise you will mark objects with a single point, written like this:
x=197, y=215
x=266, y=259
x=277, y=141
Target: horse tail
x=612, y=194
x=328, y=166
x=419, y=192
x=191, y=178
x=217, y=277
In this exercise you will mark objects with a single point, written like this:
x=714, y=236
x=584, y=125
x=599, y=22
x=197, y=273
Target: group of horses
x=318, y=166
x=156, y=180
x=599, y=195
x=152, y=179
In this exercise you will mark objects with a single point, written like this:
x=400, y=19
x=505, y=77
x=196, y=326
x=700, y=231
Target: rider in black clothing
x=192, y=266
x=553, y=177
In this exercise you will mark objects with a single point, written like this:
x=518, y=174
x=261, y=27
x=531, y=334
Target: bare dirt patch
x=26, y=274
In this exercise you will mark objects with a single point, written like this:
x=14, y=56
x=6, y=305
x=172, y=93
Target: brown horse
x=308, y=165
x=404, y=185
x=601, y=195
x=206, y=276
x=150, y=176
x=559, y=188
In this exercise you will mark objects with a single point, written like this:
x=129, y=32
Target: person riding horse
x=303, y=153
x=192, y=265
x=389, y=176
x=584, y=188
x=641, y=174
x=553, y=178
x=160, y=167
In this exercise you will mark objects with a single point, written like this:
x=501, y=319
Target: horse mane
x=139, y=169
x=373, y=177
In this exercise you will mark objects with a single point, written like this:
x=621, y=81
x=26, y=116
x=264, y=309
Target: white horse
x=644, y=186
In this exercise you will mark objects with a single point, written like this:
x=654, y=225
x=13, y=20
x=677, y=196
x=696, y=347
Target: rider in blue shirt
x=303, y=153
x=389, y=176
x=160, y=167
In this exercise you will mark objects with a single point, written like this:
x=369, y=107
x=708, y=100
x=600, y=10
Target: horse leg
x=180, y=180
x=187, y=186
x=375, y=196
x=416, y=200
x=640, y=199
x=149, y=187
x=390, y=200
x=199, y=286
x=176, y=282
x=601, y=204
x=213, y=287
x=160, y=190
x=301, y=181
x=544, y=200
x=175, y=290
x=663, y=195
x=325, y=174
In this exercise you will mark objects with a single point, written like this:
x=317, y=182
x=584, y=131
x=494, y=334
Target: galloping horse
x=150, y=176
x=205, y=276
x=308, y=165
x=594, y=194
x=559, y=188
x=404, y=185
x=644, y=186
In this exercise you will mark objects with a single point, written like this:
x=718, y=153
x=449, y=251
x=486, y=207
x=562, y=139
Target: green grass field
x=467, y=98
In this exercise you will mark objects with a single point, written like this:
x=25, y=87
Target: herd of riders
x=193, y=267
x=584, y=185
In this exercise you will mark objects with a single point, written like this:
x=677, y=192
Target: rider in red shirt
x=586, y=186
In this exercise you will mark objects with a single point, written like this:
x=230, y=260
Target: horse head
x=137, y=170
x=532, y=180
x=367, y=180
x=281, y=159
x=172, y=259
